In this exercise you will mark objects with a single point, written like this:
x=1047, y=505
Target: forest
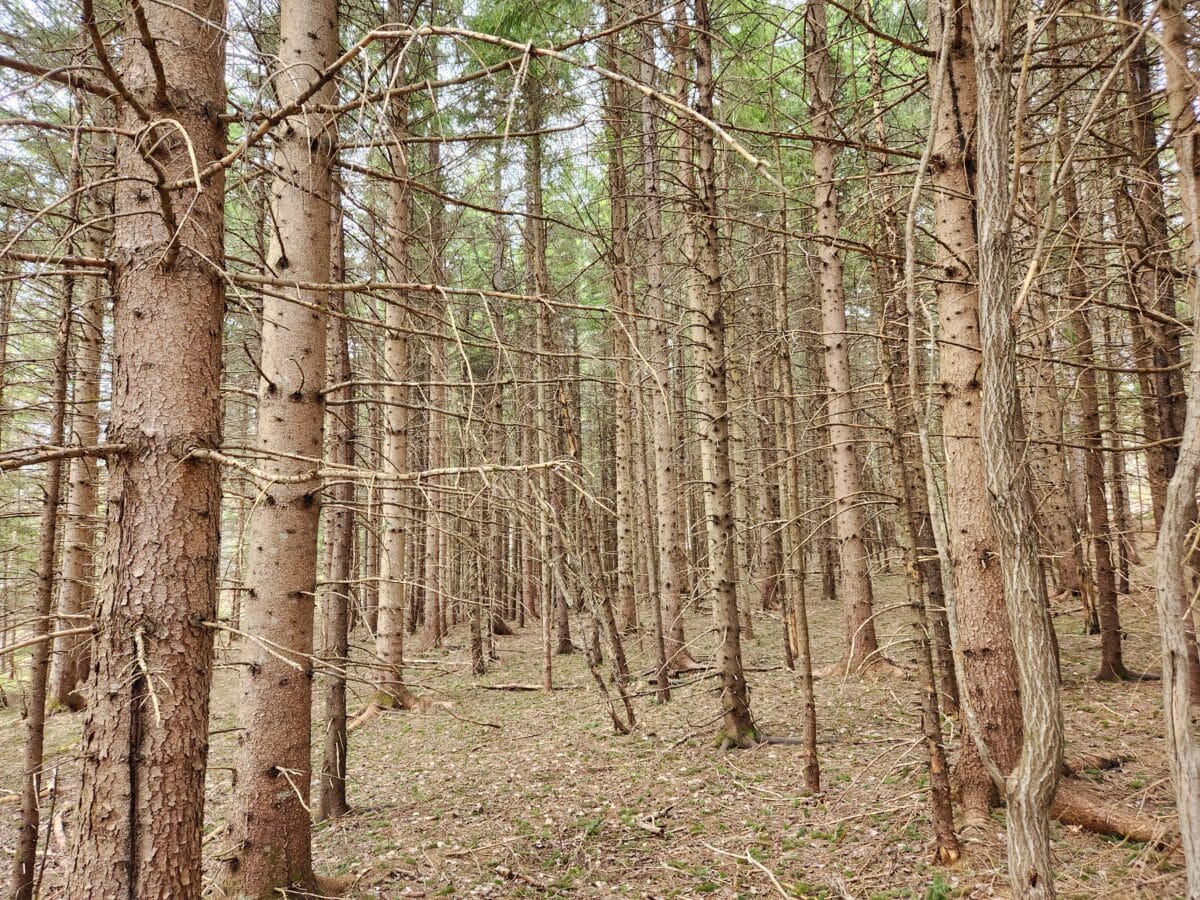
x=599, y=448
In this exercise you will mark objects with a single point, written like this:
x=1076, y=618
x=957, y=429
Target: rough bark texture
x=1030, y=785
x=145, y=739
x=1175, y=580
x=712, y=407
x=990, y=674
x=269, y=824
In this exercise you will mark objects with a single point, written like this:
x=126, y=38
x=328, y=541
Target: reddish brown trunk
x=145, y=739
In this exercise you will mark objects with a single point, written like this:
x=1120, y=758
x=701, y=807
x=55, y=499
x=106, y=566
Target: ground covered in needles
x=492, y=793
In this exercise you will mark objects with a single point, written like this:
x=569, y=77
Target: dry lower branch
x=32, y=456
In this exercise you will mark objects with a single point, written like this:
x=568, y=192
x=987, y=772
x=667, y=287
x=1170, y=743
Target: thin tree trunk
x=712, y=407
x=621, y=328
x=672, y=541
x=25, y=856
x=390, y=691
x=77, y=591
x=1154, y=280
x=862, y=644
x=793, y=547
x=339, y=535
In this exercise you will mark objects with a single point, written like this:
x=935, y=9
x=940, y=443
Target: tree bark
x=989, y=677
x=1031, y=784
x=339, y=536
x=1175, y=581
x=145, y=738
x=77, y=590
x=269, y=824
x=712, y=407
x=390, y=691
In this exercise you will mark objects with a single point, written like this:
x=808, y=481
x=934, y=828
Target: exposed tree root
x=1112, y=673
x=1083, y=807
x=878, y=666
x=1076, y=804
x=1081, y=762
x=727, y=742
x=683, y=661
x=514, y=686
x=382, y=701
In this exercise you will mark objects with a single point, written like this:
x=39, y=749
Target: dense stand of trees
x=328, y=328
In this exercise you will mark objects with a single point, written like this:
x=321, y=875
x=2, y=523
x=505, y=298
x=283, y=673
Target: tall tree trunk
x=862, y=644
x=24, y=880
x=989, y=684
x=672, y=541
x=77, y=591
x=712, y=408
x=269, y=825
x=622, y=328
x=1031, y=784
x=437, y=569
x=1153, y=279
x=339, y=533
x=1175, y=581
x=390, y=691
x=145, y=738
x=787, y=429
x=1112, y=666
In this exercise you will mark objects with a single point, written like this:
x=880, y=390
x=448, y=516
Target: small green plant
x=939, y=888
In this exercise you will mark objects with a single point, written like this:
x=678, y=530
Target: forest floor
x=510, y=794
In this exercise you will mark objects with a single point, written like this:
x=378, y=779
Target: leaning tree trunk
x=1031, y=784
x=269, y=824
x=145, y=739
